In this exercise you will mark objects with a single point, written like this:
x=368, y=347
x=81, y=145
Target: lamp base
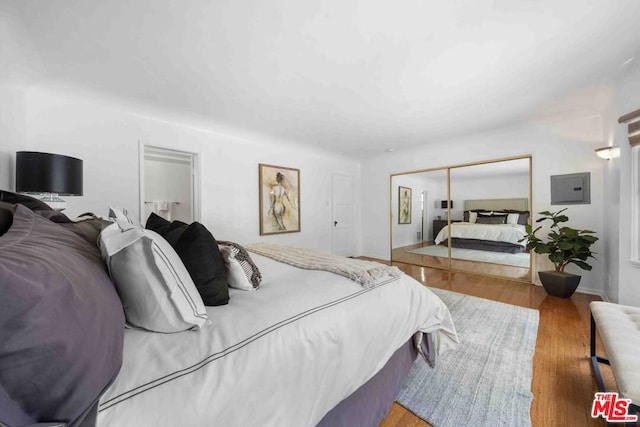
x=55, y=202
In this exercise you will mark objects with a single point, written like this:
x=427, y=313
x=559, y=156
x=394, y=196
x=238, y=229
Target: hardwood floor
x=401, y=255
x=563, y=385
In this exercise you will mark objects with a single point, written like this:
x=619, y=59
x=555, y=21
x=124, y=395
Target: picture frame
x=404, y=205
x=279, y=199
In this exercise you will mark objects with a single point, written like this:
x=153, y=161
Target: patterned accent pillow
x=491, y=219
x=242, y=271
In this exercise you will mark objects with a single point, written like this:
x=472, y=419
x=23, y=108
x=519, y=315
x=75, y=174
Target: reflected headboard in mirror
x=497, y=204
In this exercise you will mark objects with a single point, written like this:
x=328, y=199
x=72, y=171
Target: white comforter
x=283, y=355
x=509, y=233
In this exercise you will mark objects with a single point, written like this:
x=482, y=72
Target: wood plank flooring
x=563, y=385
x=400, y=254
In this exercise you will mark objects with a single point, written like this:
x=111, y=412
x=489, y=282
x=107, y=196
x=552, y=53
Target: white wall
x=12, y=131
x=106, y=136
x=436, y=185
x=624, y=280
x=553, y=153
x=486, y=187
x=407, y=234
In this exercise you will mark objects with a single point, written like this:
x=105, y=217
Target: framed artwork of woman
x=404, y=205
x=279, y=199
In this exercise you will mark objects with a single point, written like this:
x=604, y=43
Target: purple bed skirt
x=368, y=405
x=486, y=245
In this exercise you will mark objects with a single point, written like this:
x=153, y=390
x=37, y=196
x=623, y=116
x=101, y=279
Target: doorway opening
x=169, y=185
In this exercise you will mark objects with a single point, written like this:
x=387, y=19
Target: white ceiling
x=507, y=168
x=352, y=76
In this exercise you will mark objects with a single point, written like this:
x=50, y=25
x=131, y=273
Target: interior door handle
x=335, y=223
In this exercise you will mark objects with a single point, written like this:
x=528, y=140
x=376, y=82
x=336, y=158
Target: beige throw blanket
x=367, y=273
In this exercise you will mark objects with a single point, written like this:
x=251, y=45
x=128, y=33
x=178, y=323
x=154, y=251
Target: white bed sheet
x=510, y=233
x=283, y=355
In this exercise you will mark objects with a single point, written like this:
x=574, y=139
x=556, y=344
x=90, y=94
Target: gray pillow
x=61, y=321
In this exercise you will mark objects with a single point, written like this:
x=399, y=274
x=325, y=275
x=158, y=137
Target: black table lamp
x=50, y=175
x=446, y=204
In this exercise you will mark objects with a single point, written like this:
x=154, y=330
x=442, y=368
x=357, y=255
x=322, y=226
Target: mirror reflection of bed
x=490, y=207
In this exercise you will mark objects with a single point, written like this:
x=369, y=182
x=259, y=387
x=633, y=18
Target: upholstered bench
x=619, y=329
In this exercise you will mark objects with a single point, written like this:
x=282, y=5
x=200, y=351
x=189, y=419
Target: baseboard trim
x=597, y=292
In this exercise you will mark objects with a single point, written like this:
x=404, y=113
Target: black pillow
x=6, y=216
x=20, y=199
x=465, y=214
x=61, y=323
x=158, y=224
x=199, y=252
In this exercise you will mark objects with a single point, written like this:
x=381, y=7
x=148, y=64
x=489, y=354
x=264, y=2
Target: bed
x=496, y=225
x=305, y=348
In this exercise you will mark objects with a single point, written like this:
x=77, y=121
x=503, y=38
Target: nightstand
x=439, y=224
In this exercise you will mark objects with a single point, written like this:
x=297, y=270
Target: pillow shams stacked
x=511, y=217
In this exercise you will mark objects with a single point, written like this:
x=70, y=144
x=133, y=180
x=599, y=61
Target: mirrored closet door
x=472, y=219
x=413, y=235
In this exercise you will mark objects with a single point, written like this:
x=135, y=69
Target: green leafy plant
x=565, y=245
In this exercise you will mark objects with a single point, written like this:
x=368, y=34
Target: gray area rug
x=486, y=380
x=516, y=260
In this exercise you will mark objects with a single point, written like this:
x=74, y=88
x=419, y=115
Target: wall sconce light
x=608, y=153
x=49, y=175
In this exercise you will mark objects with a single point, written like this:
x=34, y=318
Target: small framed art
x=404, y=205
x=279, y=199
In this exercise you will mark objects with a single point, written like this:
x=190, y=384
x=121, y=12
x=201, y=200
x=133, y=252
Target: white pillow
x=156, y=290
x=473, y=217
x=242, y=273
x=115, y=213
x=512, y=218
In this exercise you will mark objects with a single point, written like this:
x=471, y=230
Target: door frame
x=529, y=157
x=195, y=178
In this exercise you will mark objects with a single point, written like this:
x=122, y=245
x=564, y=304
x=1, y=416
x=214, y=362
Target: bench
x=619, y=329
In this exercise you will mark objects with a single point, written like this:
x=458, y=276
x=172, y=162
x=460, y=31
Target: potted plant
x=565, y=245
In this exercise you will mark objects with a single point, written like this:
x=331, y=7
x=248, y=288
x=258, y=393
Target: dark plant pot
x=559, y=284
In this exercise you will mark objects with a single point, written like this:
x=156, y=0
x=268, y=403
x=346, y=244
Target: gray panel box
x=571, y=189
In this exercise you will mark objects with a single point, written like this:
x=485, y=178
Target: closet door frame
x=195, y=177
x=448, y=169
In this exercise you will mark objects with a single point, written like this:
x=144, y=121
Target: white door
x=342, y=215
